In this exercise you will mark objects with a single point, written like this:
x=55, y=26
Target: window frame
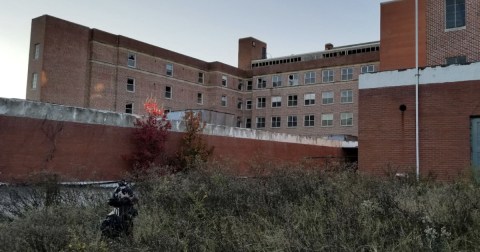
x=309, y=78
x=169, y=69
x=292, y=121
x=130, y=84
x=263, y=103
x=293, y=100
x=223, y=101
x=276, y=122
x=261, y=83
x=455, y=15
x=132, y=60
x=201, y=77
x=276, y=101
x=366, y=69
x=127, y=109
x=348, y=120
x=34, y=83
x=293, y=81
x=36, y=51
x=200, y=98
x=258, y=123
x=347, y=98
x=328, y=75
x=309, y=120
x=276, y=80
x=307, y=98
x=224, y=80
x=168, y=92
x=329, y=121
x=328, y=100
x=248, y=104
x=347, y=74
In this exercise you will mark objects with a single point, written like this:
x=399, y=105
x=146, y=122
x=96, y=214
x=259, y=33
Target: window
x=248, y=104
x=292, y=121
x=327, y=97
x=346, y=96
x=248, y=123
x=277, y=81
x=309, y=99
x=224, y=80
x=168, y=92
x=201, y=76
x=132, y=60
x=347, y=74
x=249, y=85
x=368, y=69
x=346, y=119
x=199, y=98
x=327, y=120
x=36, y=53
x=240, y=104
x=293, y=79
x=240, y=84
x=224, y=101
x=309, y=121
x=34, y=80
x=261, y=83
x=129, y=108
x=309, y=77
x=456, y=60
x=130, y=84
x=169, y=69
x=261, y=102
x=276, y=101
x=454, y=14
x=292, y=100
x=260, y=122
x=327, y=76
x=276, y=121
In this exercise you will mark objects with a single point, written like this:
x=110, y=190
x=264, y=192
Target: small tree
x=194, y=151
x=149, y=138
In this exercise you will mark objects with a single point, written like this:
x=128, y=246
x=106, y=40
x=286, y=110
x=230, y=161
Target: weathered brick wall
x=443, y=43
x=387, y=135
x=92, y=151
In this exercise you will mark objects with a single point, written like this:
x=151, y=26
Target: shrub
x=194, y=151
x=149, y=138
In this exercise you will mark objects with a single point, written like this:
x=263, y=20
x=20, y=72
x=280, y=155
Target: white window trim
x=167, y=69
x=34, y=80
x=304, y=122
x=36, y=51
x=288, y=121
x=133, y=91
x=332, y=75
x=276, y=99
x=280, y=122
x=341, y=119
x=347, y=70
x=311, y=80
x=332, y=97
x=264, y=103
x=246, y=105
x=322, y=119
x=348, y=91
x=134, y=60
x=310, y=97
x=294, y=81
x=201, y=79
x=133, y=106
x=222, y=100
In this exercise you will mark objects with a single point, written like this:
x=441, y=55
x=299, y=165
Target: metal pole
x=417, y=141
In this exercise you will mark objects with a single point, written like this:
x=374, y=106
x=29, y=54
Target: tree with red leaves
x=149, y=138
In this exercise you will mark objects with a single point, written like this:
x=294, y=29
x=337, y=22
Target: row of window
x=326, y=120
x=346, y=96
x=311, y=78
x=132, y=62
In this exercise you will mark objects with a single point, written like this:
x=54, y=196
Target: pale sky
x=208, y=30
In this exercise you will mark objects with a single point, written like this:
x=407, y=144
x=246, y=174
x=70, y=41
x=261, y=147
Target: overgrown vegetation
x=292, y=209
x=149, y=138
x=194, y=151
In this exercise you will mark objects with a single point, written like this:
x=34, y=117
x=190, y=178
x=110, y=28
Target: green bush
x=288, y=210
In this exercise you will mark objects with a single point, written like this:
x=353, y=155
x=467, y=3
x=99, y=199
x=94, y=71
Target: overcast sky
x=208, y=30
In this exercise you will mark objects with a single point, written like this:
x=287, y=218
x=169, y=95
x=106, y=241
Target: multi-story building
x=305, y=94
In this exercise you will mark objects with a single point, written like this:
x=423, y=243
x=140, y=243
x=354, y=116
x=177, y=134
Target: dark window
x=456, y=60
x=455, y=13
x=260, y=122
x=276, y=121
x=292, y=121
x=129, y=108
x=168, y=92
x=131, y=85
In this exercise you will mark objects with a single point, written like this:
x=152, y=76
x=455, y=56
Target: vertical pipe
x=417, y=141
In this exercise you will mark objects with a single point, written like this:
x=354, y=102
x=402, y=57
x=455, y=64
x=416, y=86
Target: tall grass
x=288, y=210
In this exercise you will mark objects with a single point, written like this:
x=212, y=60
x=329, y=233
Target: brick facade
x=462, y=41
x=89, y=68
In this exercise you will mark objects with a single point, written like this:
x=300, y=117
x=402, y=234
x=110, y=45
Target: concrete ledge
x=41, y=110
